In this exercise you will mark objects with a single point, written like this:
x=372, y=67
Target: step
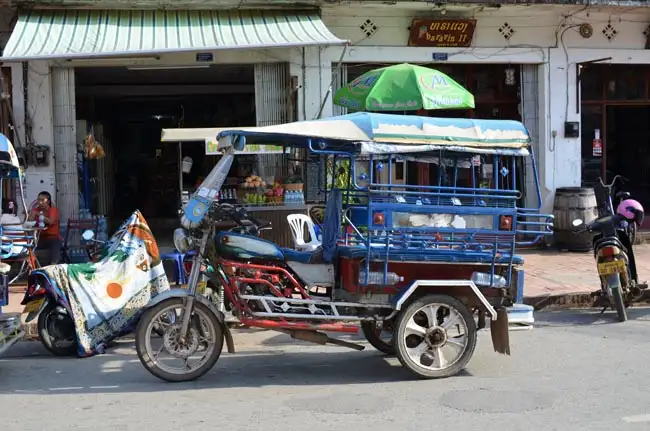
x=520, y=317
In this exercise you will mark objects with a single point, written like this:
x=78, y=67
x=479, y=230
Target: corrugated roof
x=59, y=34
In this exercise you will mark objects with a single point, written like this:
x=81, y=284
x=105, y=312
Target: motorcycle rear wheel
x=615, y=287
x=149, y=324
x=56, y=330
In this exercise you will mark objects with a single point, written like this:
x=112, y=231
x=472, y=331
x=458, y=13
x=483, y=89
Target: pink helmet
x=632, y=210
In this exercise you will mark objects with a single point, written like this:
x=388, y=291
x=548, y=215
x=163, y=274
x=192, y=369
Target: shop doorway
x=127, y=108
x=615, y=107
x=628, y=148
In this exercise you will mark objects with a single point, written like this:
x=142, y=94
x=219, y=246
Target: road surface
x=577, y=370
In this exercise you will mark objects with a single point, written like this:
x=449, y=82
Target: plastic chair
x=74, y=247
x=297, y=223
x=179, y=270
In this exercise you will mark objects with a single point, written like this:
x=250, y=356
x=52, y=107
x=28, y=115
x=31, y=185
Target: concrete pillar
x=315, y=75
x=562, y=156
x=39, y=115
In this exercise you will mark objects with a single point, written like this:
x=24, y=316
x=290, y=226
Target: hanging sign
x=597, y=146
x=442, y=32
x=211, y=148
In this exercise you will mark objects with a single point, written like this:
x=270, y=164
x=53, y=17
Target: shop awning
x=79, y=34
x=196, y=134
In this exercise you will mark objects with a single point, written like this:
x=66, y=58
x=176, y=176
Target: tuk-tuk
x=427, y=262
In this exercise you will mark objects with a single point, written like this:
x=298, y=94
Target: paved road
x=575, y=371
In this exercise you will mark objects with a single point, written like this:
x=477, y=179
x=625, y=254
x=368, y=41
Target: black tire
x=400, y=339
x=373, y=335
x=150, y=364
x=619, y=304
x=54, y=314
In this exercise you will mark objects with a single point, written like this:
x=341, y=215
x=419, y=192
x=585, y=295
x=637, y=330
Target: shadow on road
x=120, y=370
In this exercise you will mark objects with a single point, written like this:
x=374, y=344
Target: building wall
x=542, y=35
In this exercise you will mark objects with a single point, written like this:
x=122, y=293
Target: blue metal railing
x=446, y=222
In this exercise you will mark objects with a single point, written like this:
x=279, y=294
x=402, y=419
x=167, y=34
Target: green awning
x=79, y=34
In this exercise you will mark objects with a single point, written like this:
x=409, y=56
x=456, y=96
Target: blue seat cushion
x=299, y=256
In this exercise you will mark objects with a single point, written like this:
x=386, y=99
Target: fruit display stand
x=267, y=202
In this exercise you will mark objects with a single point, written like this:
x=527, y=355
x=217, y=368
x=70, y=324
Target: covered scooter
x=82, y=307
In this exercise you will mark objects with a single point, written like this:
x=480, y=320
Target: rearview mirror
x=88, y=235
x=577, y=222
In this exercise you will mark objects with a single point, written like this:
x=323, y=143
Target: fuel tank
x=236, y=246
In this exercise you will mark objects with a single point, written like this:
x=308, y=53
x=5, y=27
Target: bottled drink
x=376, y=277
x=41, y=220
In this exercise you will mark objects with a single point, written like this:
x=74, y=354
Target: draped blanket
x=106, y=298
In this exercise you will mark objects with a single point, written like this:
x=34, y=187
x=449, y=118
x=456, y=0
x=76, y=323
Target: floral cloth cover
x=107, y=297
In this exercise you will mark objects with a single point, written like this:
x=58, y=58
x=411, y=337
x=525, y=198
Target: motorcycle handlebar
x=610, y=185
x=239, y=215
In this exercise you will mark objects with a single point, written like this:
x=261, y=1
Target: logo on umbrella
x=432, y=81
x=362, y=83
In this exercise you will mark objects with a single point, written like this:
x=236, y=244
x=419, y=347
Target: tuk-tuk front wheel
x=435, y=336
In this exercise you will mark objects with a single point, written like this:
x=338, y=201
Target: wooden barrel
x=573, y=203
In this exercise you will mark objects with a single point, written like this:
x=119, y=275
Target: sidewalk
x=567, y=279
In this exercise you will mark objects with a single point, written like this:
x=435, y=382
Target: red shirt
x=52, y=231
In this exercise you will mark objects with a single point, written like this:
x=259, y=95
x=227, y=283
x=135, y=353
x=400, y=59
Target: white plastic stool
x=297, y=223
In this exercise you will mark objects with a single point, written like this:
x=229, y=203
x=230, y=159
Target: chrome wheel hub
x=176, y=347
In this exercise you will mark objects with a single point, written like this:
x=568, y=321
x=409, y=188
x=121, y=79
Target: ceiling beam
x=118, y=91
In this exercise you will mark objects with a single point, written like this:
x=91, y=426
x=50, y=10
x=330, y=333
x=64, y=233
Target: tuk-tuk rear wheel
x=372, y=331
x=435, y=336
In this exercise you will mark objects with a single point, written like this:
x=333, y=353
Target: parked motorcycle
x=613, y=251
x=55, y=325
x=613, y=197
x=82, y=307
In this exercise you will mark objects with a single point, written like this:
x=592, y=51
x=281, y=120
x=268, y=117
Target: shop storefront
x=123, y=76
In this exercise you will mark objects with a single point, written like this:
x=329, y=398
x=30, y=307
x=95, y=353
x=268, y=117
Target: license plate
x=614, y=267
x=33, y=306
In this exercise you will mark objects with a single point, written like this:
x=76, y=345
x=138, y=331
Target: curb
x=560, y=301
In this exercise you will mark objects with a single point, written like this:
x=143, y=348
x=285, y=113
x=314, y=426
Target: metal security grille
x=272, y=106
x=530, y=115
x=65, y=147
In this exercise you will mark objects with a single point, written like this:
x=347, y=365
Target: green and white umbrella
x=403, y=87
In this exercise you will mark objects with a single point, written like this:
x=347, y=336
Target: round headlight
x=182, y=241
